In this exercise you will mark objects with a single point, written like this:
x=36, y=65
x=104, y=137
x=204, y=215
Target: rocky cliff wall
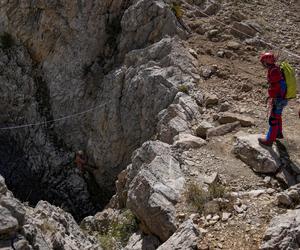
x=71, y=56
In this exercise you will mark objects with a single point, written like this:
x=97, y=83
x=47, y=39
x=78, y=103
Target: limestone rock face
x=178, y=118
x=260, y=159
x=155, y=185
x=139, y=19
x=283, y=232
x=109, y=57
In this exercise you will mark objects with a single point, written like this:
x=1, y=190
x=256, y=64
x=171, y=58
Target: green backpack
x=290, y=79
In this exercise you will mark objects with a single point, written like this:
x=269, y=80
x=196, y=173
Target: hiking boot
x=280, y=136
x=265, y=142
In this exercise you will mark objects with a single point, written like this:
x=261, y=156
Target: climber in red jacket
x=80, y=161
x=277, y=96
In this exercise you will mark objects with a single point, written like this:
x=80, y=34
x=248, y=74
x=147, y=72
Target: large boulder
x=155, y=186
x=289, y=197
x=283, y=232
x=260, y=159
x=186, y=237
x=51, y=227
x=228, y=117
x=188, y=141
x=222, y=129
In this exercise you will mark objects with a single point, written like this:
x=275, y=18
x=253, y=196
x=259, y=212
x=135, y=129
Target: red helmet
x=268, y=58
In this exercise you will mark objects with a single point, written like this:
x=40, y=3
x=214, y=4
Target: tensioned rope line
x=54, y=120
x=262, y=40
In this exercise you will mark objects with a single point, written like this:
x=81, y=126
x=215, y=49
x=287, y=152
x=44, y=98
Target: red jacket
x=275, y=78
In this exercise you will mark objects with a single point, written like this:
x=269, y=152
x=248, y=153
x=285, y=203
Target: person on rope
x=276, y=98
x=82, y=163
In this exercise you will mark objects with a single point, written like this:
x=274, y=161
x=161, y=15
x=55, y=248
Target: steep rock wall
x=78, y=55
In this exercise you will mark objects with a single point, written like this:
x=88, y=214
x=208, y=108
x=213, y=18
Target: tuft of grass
x=183, y=88
x=216, y=190
x=6, y=40
x=119, y=232
x=196, y=196
x=177, y=10
x=107, y=242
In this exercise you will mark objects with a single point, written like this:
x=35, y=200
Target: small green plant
x=196, y=196
x=107, y=242
x=119, y=231
x=6, y=40
x=177, y=9
x=183, y=88
x=216, y=190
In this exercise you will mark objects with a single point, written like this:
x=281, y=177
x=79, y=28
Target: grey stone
x=223, y=129
x=233, y=45
x=289, y=197
x=138, y=241
x=225, y=216
x=187, y=141
x=228, y=117
x=260, y=159
x=8, y=224
x=242, y=30
x=15, y=207
x=208, y=71
x=283, y=232
x=202, y=129
x=185, y=237
x=211, y=100
x=155, y=186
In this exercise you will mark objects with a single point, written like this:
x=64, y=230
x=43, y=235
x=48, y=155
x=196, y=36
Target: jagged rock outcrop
x=260, y=159
x=151, y=187
x=42, y=227
x=138, y=241
x=70, y=57
x=185, y=237
x=178, y=118
x=283, y=232
x=289, y=197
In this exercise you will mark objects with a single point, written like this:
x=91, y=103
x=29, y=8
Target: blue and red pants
x=275, y=119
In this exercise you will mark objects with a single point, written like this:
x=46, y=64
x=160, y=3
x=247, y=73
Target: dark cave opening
x=26, y=181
